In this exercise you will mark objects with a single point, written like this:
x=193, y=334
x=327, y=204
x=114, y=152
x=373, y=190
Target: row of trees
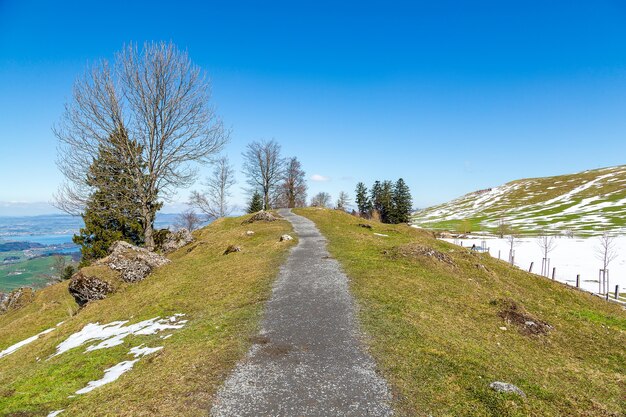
x=390, y=202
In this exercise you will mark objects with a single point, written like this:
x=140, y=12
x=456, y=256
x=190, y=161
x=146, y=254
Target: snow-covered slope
x=588, y=202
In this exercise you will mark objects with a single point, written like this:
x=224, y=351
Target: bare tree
x=321, y=199
x=293, y=188
x=189, y=220
x=343, y=200
x=546, y=243
x=512, y=240
x=606, y=253
x=263, y=167
x=161, y=100
x=503, y=228
x=213, y=201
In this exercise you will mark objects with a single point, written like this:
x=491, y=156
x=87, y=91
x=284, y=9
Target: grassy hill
x=444, y=322
x=585, y=203
x=222, y=297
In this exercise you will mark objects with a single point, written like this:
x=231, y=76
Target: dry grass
x=221, y=295
x=435, y=330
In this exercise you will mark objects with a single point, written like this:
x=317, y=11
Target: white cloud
x=319, y=178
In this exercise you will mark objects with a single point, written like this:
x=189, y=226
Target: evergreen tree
x=113, y=211
x=385, y=200
x=256, y=203
x=376, y=195
x=402, y=202
x=363, y=202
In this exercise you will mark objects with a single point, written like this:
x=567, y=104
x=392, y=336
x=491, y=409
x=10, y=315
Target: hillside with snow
x=586, y=203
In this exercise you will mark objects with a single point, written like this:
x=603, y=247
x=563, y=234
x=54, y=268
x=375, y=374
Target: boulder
x=249, y=233
x=285, y=238
x=261, y=216
x=365, y=225
x=506, y=388
x=16, y=299
x=133, y=263
x=231, y=249
x=86, y=288
x=176, y=240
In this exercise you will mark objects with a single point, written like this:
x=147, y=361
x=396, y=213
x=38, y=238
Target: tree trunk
x=147, y=228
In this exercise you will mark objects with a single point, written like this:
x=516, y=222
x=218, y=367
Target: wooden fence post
x=578, y=281
x=531, y=267
x=616, y=292
x=553, y=273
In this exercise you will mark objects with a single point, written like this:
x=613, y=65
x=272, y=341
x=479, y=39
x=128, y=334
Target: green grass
x=434, y=329
x=26, y=272
x=222, y=296
x=516, y=200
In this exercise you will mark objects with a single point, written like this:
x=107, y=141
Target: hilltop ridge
x=585, y=203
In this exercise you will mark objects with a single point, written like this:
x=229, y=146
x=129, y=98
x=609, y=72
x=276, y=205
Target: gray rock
x=132, y=262
x=249, y=233
x=176, y=240
x=16, y=299
x=285, y=238
x=261, y=216
x=231, y=249
x=85, y=288
x=506, y=388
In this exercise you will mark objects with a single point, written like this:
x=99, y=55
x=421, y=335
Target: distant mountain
x=13, y=246
x=585, y=203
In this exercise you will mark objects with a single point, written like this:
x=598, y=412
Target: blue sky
x=451, y=97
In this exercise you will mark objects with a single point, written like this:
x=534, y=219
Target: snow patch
x=114, y=333
x=23, y=343
x=55, y=413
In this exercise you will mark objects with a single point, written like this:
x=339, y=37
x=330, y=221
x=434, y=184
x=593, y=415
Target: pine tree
x=402, y=202
x=376, y=195
x=386, y=202
x=363, y=202
x=113, y=211
x=256, y=203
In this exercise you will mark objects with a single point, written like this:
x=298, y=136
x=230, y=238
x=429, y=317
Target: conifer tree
x=363, y=202
x=376, y=195
x=113, y=211
x=402, y=202
x=386, y=202
x=256, y=203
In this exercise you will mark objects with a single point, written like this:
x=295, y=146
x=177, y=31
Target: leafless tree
x=189, y=220
x=503, y=228
x=546, y=243
x=606, y=253
x=213, y=201
x=321, y=199
x=512, y=239
x=343, y=200
x=264, y=169
x=292, y=192
x=161, y=99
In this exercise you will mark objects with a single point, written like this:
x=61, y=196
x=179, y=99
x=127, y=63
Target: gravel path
x=308, y=359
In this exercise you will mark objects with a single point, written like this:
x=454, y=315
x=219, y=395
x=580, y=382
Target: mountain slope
x=181, y=361
x=444, y=322
x=585, y=203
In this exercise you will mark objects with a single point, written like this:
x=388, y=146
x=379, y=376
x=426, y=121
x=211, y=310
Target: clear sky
x=451, y=97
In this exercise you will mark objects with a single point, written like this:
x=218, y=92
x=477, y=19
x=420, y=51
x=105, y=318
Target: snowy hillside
x=585, y=203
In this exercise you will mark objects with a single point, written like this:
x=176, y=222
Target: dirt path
x=308, y=359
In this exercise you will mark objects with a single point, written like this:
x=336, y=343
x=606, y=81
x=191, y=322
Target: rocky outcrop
x=232, y=249
x=506, y=388
x=261, y=216
x=133, y=263
x=176, y=240
x=86, y=288
x=16, y=299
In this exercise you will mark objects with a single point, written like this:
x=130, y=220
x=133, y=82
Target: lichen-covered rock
x=506, y=388
x=16, y=299
x=86, y=288
x=133, y=263
x=176, y=240
x=231, y=249
x=261, y=216
x=285, y=238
